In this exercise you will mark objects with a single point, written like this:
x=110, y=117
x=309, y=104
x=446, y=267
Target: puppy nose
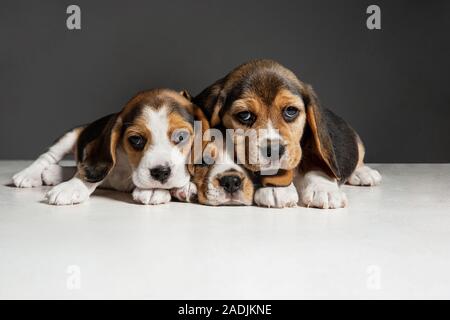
x=230, y=184
x=272, y=148
x=160, y=173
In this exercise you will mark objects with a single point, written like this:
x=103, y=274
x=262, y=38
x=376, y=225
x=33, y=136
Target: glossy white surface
x=392, y=242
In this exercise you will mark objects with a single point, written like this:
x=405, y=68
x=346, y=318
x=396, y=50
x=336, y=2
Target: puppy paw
x=319, y=191
x=365, y=176
x=28, y=178
x=70, y=192
x=188, y=193
x=151, y=196
x=278, y=197
x=52, y=175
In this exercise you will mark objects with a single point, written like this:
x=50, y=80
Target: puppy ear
x=322, y=141
x=186, y=94
x=96, y=148
x=211, y=100
x=201, y=126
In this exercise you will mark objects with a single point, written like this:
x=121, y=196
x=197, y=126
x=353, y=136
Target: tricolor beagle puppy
x=143, y=149
x=322, y=149
x=218, y=180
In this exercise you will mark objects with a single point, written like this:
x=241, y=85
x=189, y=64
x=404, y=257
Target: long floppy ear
x=322, y=139
x=201, y=126
x=211, y=101
x=96, y=148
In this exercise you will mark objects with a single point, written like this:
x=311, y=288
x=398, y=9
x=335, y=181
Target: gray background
x=391, y=85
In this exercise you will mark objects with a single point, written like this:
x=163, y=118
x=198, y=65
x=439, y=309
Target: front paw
x=187, y=193
x=151, y=196
x=364, y=176
x=319, y=191
x=70, y=192
x=28, y=178
x=277, y=197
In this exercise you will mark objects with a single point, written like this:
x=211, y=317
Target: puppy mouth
x=234, y=200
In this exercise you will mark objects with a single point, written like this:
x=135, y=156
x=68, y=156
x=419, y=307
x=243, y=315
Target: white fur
x=186, y=193
x=161, y=153
x=320, y=191
x=151, y=196
x=279, y=197
x=364, y=176
x=217, y=195
x=70, y=192
x=32, y=175
x=55, y=174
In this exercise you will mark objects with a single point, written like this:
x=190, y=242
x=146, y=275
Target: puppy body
x=144, y=148
x=313, y=143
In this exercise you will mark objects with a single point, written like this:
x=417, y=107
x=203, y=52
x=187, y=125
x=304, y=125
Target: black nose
x=272, y=148
x=231, y=184
x=160, y=173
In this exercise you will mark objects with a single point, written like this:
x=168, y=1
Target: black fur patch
x=344, y=143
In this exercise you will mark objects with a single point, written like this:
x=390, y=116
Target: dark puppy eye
x=290, y=113
x=246, y=117
x=137, y=142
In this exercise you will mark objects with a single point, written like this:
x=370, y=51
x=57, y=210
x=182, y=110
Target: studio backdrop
x=382, y=65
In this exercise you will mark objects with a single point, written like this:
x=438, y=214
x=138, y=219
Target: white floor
x=392, y=242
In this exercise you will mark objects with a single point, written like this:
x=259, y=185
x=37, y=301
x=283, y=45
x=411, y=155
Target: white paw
x=320, y=191
x=151, y=196
x=52, y=175
x=277, y=197
x=28, y=178
x=365, y=176
x=188, y=193
x=70, y=192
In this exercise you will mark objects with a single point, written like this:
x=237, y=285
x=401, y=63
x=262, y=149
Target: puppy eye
x=246, y=117
x=137, y=142
x=180, y=136
x=290, y=113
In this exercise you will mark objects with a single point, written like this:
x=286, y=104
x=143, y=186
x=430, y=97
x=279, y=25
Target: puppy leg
x=32, y=175
x=188, y=193
x=363, y=175
x=74, y=191
x=55, y=174
x=151, y=196
x=320, y=191
x=276, y=197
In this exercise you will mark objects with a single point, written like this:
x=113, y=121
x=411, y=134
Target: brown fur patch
x=282, y=179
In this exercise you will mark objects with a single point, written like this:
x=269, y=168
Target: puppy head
x=268, y=109
x=155, y=131
x=220, y=181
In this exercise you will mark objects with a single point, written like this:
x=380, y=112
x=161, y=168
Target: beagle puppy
x=142, y=149
x=292, y=136
x=218, y=180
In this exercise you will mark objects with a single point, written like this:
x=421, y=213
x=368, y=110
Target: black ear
x=211, y=101
x=319, y=134
x=96, y=148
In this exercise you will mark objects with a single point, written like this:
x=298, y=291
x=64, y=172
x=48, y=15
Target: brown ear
x=322, y=141
x=201, y=126
x=96, y=148
x=186, y=94
x=211, y=100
